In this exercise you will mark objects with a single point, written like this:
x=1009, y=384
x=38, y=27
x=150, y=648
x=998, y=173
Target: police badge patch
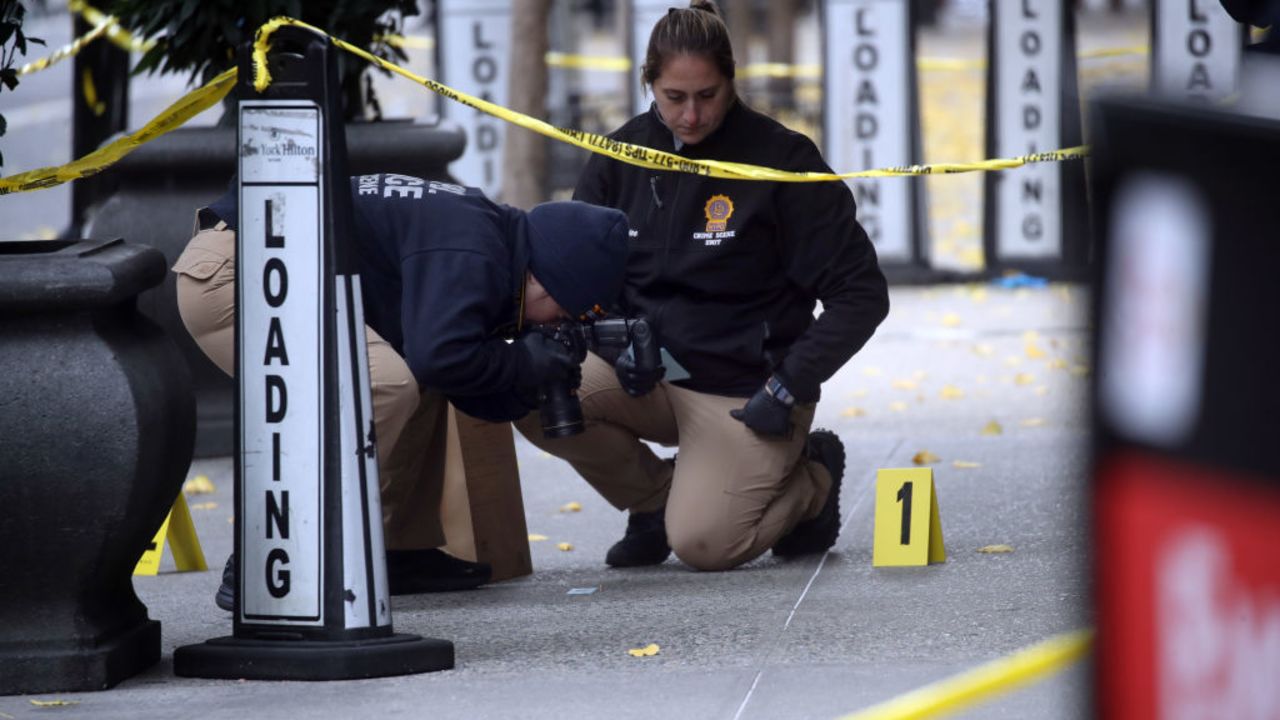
x=718, y=211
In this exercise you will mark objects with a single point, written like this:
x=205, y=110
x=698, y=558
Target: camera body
x=558, y=403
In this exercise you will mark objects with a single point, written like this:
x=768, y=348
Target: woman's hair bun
x=706, y=6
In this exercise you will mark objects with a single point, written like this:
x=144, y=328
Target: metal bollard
x=311, y=592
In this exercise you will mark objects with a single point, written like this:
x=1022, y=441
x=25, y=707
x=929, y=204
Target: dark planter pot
x=162, y=183
x=97, y=421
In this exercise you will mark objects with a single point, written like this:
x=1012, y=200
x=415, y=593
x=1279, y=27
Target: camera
x=559, y=407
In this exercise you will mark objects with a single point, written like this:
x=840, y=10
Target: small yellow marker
x=908, y=528
x=178, y=529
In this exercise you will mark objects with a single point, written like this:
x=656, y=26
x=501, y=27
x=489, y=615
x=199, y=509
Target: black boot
x=226, y=596
x=818, y=534
x=410, y=572
x=645, y=542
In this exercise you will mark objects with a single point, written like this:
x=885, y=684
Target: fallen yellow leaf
x=535, y=537
x=204, y=506
x=858, y=394
x=984, y=350
x=995, y=549
x=564, y=547
x=992, y=428
x=1033, y=422
x=965, y=464
x=54, y=703
x=1033, y=351
x=924, y=457
x=905, y=384
x=951, y=320
x=568, y=507
x=871, y=371
x=951, y=392
x=198, y=485
x=1058, y=364
x=978, y=294
x=647, y=651
x=1030, y=336
x=1024, y=379
x=898, y=406
x=1012, y=360
x=853, y=412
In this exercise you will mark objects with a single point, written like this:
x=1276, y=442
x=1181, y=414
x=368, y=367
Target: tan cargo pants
x=731, y=494
x=410, y=425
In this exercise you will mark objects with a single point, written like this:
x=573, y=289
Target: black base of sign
x=233, y=658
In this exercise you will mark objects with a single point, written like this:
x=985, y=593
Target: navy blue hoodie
x=442, y=268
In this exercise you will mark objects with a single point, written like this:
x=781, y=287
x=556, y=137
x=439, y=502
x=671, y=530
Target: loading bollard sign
x=1195, y=50
x=311, y=600
x=281, y=346
x=1035, y=217
x=870, y=121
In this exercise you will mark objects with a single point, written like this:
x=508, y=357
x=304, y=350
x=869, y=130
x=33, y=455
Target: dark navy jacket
x=730, y=271
x=441, y=270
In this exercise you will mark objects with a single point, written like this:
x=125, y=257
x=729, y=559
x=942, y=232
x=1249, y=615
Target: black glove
x=636, y=380
x=765, y=414
x=543, y=361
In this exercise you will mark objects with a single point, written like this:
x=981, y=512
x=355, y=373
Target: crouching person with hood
x=448, y=277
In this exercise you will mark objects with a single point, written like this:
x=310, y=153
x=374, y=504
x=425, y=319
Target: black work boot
x=645, y=542
x=410, y=572
x=819, y=533
x=226, y=596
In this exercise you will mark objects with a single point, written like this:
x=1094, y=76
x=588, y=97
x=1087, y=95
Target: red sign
x=1188, y=571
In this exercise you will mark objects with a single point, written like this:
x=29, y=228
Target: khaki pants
x=410, y=425
x=731, y=494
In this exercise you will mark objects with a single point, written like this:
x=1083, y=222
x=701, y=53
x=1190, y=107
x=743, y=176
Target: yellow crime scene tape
x=116, y=34
x=170, y=118
x=637, y=154
x=66, y=51
x=983, y=682
x=201, y=99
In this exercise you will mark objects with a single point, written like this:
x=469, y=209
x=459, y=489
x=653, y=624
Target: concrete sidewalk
x=813, y=638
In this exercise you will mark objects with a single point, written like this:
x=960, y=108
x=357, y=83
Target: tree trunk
x=782, y=33
x=738, y=18
x=524, y=159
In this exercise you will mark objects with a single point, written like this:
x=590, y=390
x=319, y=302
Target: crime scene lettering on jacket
x=866, y=60
x=275, y=290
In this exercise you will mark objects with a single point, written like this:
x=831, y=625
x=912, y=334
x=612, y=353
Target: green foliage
x=201, y=36
x=12, y=44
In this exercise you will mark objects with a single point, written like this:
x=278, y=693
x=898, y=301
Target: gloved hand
x=765, y=414
x=636, y=380
x=543, y=361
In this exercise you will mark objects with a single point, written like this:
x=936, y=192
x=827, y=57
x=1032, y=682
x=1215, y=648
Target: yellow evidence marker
x=908, y=529
x=178, y=529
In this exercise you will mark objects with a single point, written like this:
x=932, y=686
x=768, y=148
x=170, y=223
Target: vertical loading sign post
x=1035, y=215
x=473, y=46
x=282, y=434
x=311, y=588
x=872, y=120
x=1195, y=50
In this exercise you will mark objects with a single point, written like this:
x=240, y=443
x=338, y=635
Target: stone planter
x=97, y=421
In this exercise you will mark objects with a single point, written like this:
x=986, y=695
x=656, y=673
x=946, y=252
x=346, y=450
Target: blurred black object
x=1258, y=13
